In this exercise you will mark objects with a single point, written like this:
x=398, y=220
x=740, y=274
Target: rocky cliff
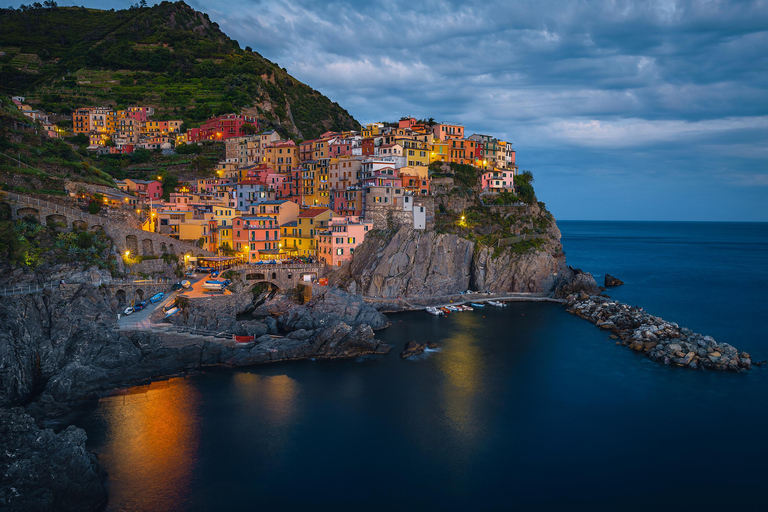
x=413, y=263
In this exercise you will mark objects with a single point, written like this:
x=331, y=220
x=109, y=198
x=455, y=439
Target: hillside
x=169, y=56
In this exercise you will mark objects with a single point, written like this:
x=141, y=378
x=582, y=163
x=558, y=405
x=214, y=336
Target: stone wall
x=384, y=215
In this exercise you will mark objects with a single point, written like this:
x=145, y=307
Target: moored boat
x=434, y=311
x=497, y=303
x=477, y=305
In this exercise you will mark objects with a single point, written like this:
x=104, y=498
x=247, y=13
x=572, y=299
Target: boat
x=172, y=311
x=497, y=303
x=477, y=304
x=213, y=286
x=434, y=311
x=185, y=284
x=445, y=311
x=128, y=310
x=156, y=297
x=468, y=308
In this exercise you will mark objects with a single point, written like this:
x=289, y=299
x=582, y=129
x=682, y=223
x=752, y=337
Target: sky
x=622, y=110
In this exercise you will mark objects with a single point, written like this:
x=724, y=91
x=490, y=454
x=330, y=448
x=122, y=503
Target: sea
x=521, y=408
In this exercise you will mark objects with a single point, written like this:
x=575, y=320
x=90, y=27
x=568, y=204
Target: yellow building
x=223, y=216
x=372, y=129
x=300, y=237
x=438, y=150
x=416, y=152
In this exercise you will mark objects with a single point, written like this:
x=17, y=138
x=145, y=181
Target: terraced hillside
x=169, y=56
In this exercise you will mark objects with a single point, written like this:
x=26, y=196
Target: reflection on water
x=275, y=394
x=461, y=364
x=159, y=432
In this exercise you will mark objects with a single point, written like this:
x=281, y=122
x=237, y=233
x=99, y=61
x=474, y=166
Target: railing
x=30, y=288
x=36, y=288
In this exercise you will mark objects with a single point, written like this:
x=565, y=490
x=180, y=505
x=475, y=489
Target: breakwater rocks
x=41, y=470
x=662, y=341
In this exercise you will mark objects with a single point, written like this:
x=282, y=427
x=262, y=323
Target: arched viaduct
x=126, y=238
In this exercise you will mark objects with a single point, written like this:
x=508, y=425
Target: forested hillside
x=169, y=56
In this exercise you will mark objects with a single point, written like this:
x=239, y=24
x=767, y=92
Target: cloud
x=615, y=87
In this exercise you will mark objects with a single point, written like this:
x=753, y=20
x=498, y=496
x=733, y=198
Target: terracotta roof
x=313, y=212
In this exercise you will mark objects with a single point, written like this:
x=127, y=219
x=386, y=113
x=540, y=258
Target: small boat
x=128, y=311
x=185, y=284
x=172, y=311
x=213, y=286
x=497, y=303
x=468, y=308
x=477, y=305
x=156, y=297
x=434, y=311
x=445, y=311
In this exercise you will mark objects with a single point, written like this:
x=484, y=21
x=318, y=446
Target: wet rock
x=413, y=348
x=662, y=341
x=612, y=281
x=42, y=470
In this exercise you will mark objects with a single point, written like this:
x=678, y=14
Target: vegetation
x=168, y=56
x=27, y=243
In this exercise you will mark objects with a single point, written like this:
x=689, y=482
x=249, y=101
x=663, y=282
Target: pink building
x=408, y=122
x=339, y=147
x=498, y=180
x=337, y=245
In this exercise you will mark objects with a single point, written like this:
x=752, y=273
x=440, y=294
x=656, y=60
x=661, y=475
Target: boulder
x=612, y=281
x=413, y=348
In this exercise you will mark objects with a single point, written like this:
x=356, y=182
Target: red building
x=221, y=128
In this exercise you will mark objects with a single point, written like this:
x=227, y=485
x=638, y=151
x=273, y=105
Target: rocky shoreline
x=662, y=341
x=62, y=347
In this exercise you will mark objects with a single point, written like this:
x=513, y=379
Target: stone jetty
x=662, y=341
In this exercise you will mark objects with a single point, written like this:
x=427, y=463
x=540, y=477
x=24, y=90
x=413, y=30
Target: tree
x=143, y=3
x=94, y=207
x=201, y=163
x=248, y=49
x=248, y=129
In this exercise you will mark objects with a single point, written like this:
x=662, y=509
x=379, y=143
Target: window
x=339, y=251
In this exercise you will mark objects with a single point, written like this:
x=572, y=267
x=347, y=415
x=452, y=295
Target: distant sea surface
x=526, y=407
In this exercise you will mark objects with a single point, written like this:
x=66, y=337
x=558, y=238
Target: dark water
x=525, y=408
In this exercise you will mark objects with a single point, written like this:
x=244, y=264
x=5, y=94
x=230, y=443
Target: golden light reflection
x=462, y=367
x=158, y=426
x=276, y=394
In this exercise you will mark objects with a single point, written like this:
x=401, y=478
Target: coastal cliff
x=490, y=254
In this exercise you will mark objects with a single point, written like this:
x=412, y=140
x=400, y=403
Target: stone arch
x=22, y=213
x=6, y=211
x=146, y=247
x=139, y=294
x=132, y=244
x=273, y=287
x=274, y=275
x=255, y=277
x=121, y=296
x=97, y=227
x=79, y=224
x=56, y=220
x=163, y=248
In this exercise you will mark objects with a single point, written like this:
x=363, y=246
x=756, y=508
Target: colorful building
x=337, y=244
x=221, y=128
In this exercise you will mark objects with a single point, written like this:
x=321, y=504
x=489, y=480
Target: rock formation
x=413, y=263
x=612, y=281
x=662, y=341
x=41, y=470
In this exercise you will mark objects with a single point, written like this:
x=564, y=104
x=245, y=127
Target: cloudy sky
x=647, y=110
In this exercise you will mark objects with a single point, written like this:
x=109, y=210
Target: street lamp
x=127, y=253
